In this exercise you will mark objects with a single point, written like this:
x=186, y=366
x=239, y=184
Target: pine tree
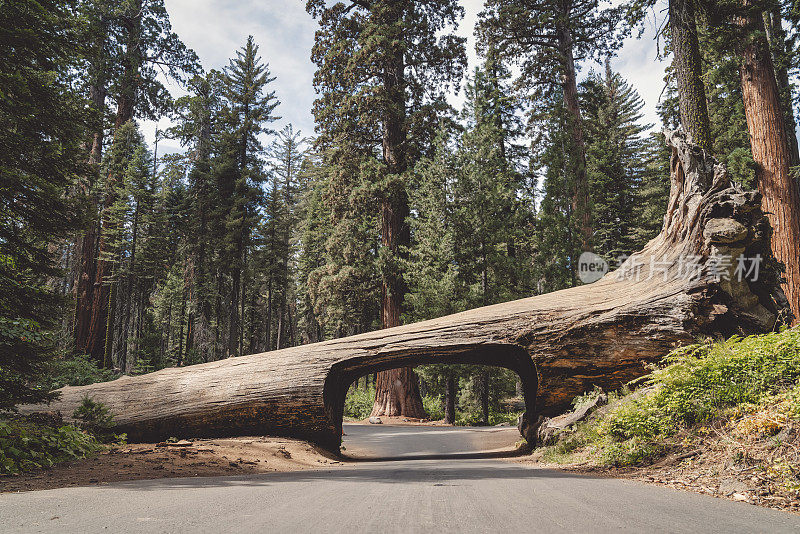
x=556, y=239
x=652, y=190
x=197, y=128
x=287, y=155
x=248, y=110
x=544, y=39
x=378, y=63
x=42, y=123
x=613, y=123
x=488, y=190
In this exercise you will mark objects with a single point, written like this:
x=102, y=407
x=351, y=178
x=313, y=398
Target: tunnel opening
x=512, y=357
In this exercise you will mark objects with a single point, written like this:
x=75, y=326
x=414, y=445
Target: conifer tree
x=378, y=63
x=248, y=110
x=547, y=40
x=41, y=118
x=197, y=126
x=287, y=154
x=769, y=143
x=613, y=123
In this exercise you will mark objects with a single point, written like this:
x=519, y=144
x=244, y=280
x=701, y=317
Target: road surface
x=467, y=492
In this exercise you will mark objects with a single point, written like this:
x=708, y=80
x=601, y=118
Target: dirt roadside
x=196, y=458
x=706, y=473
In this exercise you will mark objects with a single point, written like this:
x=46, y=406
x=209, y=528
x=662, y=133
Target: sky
x=215, y=29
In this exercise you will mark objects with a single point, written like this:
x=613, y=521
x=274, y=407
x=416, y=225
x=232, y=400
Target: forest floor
x=198, y=458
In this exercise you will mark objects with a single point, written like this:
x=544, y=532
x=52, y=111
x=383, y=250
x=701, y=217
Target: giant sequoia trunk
x=396, y=391
x=770, y=147
x=97, y=306
x=86, y=250
x=561, y=344
x=773, y=24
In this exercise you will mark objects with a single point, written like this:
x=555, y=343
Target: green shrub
x=78, y=370
x=468, y=418
x=693, y=386
x=25, y=445
x=96, y=419
x=358, y=402
x=434, y=407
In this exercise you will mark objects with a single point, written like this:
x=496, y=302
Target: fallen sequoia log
x=561, y=344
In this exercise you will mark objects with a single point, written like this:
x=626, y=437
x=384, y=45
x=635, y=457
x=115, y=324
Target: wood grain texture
x=561, y=343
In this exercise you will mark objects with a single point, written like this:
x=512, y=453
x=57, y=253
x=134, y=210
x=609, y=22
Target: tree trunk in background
x=580, y=190
x=97, y=344
x=777, y=42
x=485, y=396
x=765, y=122
x=397, y=391
x=450, y=401
x=233, y=311
x=87, y=251
x=688, y=73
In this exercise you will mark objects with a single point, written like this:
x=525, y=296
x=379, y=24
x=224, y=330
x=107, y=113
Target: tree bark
x=580, y=190
x=768, y=142
x=560, y=344
x=88, y=243
x=688, y=73
x=777, y=42
x=450, y=401
x=397, y=390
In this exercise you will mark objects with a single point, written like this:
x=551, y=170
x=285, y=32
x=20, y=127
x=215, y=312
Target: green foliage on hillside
x=743, y=385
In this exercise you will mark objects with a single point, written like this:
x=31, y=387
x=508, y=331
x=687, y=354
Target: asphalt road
x=461, y=493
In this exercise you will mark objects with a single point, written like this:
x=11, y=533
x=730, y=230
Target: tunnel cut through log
x=603, y=334
x=512, y=357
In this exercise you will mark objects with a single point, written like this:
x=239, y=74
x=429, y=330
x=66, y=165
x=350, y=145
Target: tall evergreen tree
x=378, y=63
x=42, y=123
x=556, y=238
x=770, y=146
x=197, y=127
x=248, y=110
x=613, y=123
x=287, y=154
x=545, y=38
